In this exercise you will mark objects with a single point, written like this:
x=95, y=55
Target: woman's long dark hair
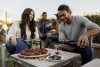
x=26, y=20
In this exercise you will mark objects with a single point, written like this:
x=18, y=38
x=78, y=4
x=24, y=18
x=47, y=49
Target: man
x=44, y=26
x=75, y=28
x=52, y=35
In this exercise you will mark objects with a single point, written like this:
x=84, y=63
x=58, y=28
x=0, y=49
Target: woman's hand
x=83, y=41
x=13, y=40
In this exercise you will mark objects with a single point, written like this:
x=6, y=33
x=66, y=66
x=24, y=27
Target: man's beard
x=66, y=20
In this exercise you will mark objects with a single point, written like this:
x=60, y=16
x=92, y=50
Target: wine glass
x=58, y=48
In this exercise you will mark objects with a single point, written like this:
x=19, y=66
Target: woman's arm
x=13, y=31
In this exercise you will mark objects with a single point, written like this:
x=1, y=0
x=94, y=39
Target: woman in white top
x=20, y=31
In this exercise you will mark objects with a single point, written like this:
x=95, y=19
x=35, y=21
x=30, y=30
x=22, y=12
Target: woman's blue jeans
x=21, y=44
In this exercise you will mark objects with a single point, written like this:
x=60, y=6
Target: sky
x=14, y=8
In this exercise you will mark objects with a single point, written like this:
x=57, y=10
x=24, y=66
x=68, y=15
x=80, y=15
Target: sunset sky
x=15, y=8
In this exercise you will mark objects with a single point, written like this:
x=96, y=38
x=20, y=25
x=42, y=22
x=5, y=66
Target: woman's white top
x=14, y=30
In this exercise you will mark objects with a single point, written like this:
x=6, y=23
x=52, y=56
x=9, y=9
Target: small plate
x=53, y=60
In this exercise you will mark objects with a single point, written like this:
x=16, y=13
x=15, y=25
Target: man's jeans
x=86, y=54
x=21, y=44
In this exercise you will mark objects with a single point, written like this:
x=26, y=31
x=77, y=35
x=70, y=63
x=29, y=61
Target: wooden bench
x=96, y=50
x=93, y=63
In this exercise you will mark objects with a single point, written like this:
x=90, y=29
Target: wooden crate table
x=68, y=57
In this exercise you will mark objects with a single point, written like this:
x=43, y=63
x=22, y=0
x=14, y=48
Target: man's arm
x=83, y=39
x=93, y=31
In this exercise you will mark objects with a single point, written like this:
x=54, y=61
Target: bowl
x=54, y=58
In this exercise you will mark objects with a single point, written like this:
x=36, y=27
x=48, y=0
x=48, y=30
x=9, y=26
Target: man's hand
x=83, y=41
x=13, y=40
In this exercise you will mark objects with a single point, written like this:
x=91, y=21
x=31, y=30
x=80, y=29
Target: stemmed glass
x=58, y=47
